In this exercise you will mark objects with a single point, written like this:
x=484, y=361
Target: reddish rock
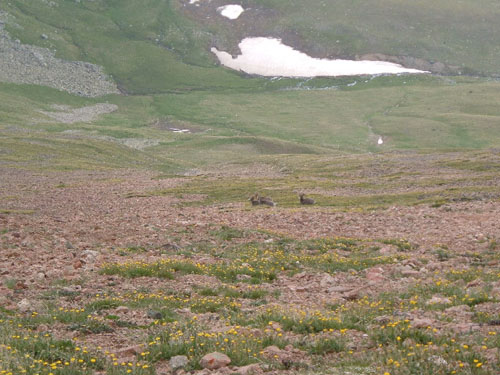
x=214, y=361
x=339, y=289
x=20, y=285
x=387, y=250
x=178, y=362
x=122, y=310
x=25, y=305
x=327, y=281
x=253, y=369
x=356, y=293
x=129, y=351
x=42, y=328
x=273, y=352
x=438, y=300
x=376, y=274
x=462, y=311
x=492, y=355
x=285, y=356
x=473, y=283
x=422, y=323
x=465, y=327
x=409, y=272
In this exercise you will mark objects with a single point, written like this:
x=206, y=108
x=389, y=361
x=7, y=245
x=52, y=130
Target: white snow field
x=231, y=11
x=270, y=57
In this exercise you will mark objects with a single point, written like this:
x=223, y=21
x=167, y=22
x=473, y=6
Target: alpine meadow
x=249, y=187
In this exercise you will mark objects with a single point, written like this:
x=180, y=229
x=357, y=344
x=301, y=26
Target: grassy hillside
x=126, y=234
x=145, y=45
x=159, y=46
x=461, y=33
x=158, y=53
x=418, y=113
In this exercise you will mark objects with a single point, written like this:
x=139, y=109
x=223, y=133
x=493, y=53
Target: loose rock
x=178, y=362
x=214, y=361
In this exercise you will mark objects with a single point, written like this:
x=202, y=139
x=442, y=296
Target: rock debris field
x=26, y=64
x=129, y=277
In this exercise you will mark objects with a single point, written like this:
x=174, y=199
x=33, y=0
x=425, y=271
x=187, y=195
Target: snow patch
x=177, y=130
x=231, y=11
x=270, y=57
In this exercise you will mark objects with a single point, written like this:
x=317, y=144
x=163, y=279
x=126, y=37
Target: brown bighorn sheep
x=254, y=199
x=257, y=200
x=267, y=201
x=305, y=200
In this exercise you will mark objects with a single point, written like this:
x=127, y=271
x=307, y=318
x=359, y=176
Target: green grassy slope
x=462, y=33
x=158, y=52
x=152, y=46
x=416, y=113
x=145, y=45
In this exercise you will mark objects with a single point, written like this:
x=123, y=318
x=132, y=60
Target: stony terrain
x=26, y=64
x=118, y=279
x=129, y=243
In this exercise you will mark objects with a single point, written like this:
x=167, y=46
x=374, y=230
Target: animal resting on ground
x=305, y=200
x=257, y=200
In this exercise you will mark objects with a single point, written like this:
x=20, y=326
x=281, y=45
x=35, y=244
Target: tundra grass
x=270, y=126
x=420, y=30
x=325, y=334
x=257, y=262
x=177, y=37
x=327, y=193
x=118, y=35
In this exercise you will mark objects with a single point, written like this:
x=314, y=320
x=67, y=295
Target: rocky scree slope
x=26, y=64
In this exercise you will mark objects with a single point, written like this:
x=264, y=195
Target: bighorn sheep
x=267, y=201
x=257, y=200
x=254, y=199
x=305, y=200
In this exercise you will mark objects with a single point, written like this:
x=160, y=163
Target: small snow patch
x=231, y=11
x=182, y=131
x=270, y=57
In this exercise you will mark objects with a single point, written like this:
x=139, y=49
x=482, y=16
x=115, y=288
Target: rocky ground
x=113, y=281
x=21, y=63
